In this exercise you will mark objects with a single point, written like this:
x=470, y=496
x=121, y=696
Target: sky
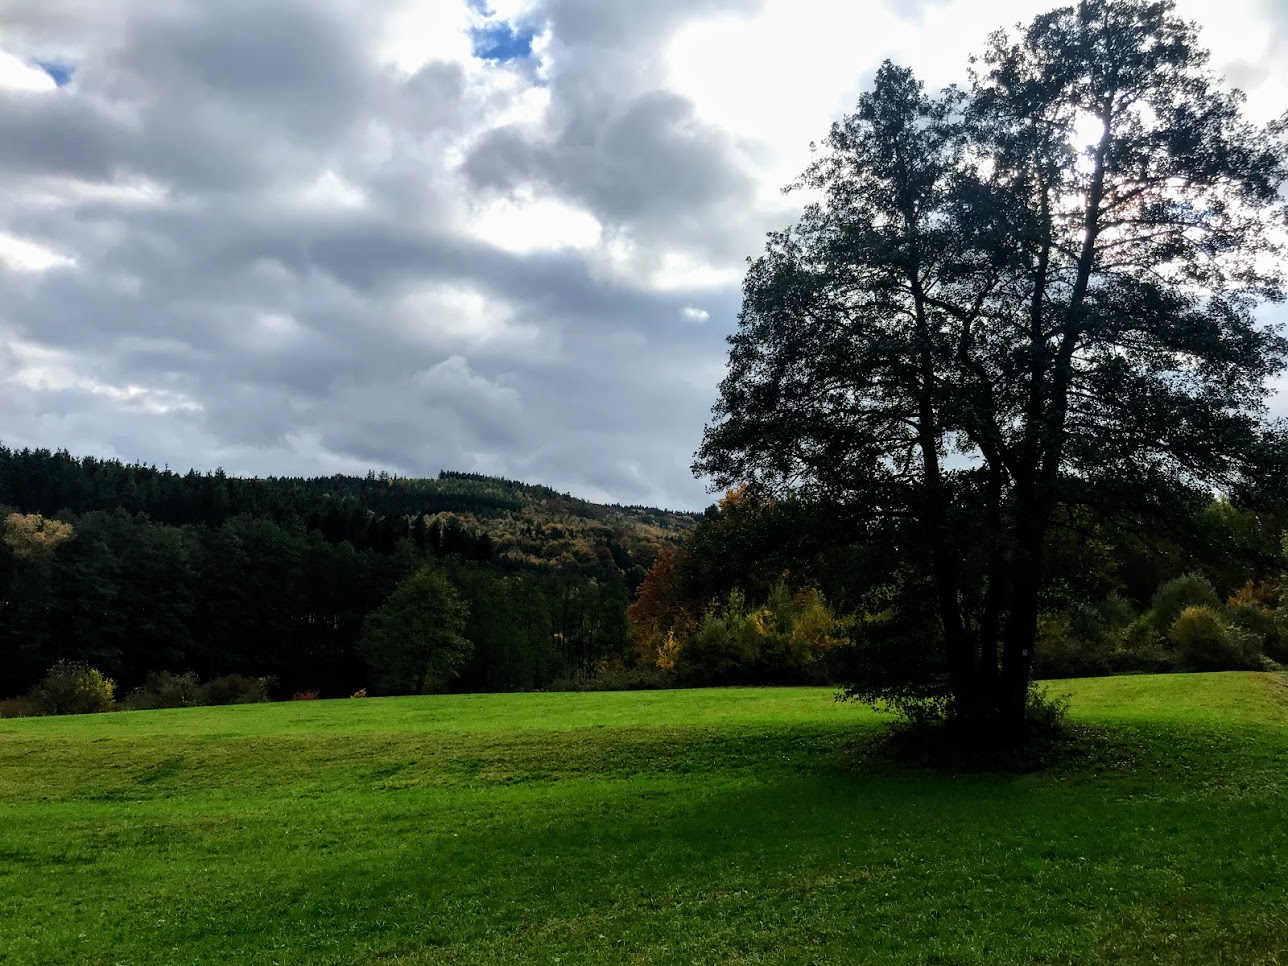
x=304, y=237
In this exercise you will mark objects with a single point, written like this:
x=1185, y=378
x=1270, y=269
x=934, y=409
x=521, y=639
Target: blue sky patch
x=479, y=7
x=61, y=73
x=502, y=42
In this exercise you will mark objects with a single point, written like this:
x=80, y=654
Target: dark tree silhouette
x=1034, y=292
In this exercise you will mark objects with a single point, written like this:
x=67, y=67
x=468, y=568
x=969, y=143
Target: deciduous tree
x=415, y=639
x=1037, y=290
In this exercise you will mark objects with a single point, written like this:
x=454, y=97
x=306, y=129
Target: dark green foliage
x=236, y=689
x=161, y=689
x=932, y=737
x=413, y=641
x=1140, y=648
x=1188, y=590
x=273, y=578
x=791, y=637
x=1260, y=623
x=1066, y=650
x=165, y=690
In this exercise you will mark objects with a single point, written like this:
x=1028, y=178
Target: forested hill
x=479, y=517
x=136, y=569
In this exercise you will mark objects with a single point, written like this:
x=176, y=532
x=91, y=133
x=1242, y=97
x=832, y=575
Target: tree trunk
x=1022, y=619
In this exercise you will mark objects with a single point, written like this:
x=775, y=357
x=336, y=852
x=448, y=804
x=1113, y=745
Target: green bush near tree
x=71, y=687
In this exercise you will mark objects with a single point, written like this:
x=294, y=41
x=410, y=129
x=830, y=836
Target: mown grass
x=745, y=825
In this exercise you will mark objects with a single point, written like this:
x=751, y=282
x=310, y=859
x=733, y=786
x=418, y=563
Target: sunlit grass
x=743, y=825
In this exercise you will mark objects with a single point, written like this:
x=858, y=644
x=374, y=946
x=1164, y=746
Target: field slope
x=742, y=825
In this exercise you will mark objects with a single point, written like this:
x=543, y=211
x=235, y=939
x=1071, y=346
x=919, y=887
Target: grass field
x=742, y=825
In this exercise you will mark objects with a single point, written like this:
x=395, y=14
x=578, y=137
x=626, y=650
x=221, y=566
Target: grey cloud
x=59, y=134
x=236, y=317
x=608, y=27
x=649, y=165
x=618, y=143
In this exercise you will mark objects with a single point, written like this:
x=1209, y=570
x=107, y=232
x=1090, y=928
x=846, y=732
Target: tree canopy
x=1033, y=292
x=414, y=640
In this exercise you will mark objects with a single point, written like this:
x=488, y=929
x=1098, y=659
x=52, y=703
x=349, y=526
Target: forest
x=168, y=583
x=134, y=570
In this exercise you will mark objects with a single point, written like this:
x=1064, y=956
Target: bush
x=726, y=646
x=1045, y=715
x=236, y=689
x=793, y=638
x=614, y=674
x=1265, y=594
x=1189, y=590
x=71, y=687
x=1206, y=641
x=1260, y=622
x=1063, y=652
x=23, y=706
x=1138, y=648
x=162, y=689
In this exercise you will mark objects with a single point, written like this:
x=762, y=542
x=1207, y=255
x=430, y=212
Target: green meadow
x=711, y=826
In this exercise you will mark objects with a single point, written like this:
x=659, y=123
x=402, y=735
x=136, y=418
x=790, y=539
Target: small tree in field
x=1033, y=293
x=414, y=640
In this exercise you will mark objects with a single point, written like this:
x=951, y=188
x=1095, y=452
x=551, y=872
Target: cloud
x=18, y=76
x=318, y=236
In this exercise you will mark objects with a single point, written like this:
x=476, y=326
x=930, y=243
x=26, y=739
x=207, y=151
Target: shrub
x=1045, y=715
x=1206, y=641
x=1114, y=613
x=71, y=687
x=614, y=674
x=1189, y=590
x=304, y=696
x=725, y=647
x=1140, y=648
x=1063, y=652
x=23, y=706
x=792, y=638
x=1260, y=622
x=162, y=689
x=236, y=689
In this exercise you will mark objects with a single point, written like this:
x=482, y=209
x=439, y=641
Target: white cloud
x=24, y=255
x=526, y=224
x=18, y=76
x=694, y=314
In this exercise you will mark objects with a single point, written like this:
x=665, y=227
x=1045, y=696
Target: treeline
x=752, y=592
x=128, y=595
x=48, y=482
x=783, y=592
x=135, y=570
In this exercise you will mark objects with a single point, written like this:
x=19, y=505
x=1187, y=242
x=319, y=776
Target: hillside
x=527, y=522
x=274, y=577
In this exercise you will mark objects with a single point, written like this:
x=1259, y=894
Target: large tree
x=415, y=640
x=1034, y=292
